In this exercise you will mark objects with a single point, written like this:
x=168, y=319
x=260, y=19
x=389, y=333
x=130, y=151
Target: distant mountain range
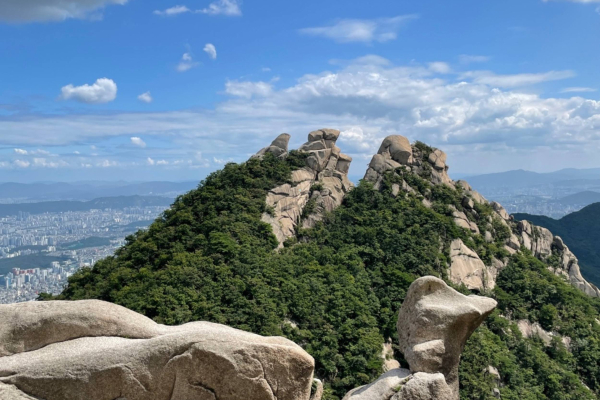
x=581, y=232
x=522, y=178
x=28, y=192
x=100, y=203
x=580, y=199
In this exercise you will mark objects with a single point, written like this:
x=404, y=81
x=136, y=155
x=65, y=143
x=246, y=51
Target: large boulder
x=279, y=147
x=100, y=351
x=434, y=323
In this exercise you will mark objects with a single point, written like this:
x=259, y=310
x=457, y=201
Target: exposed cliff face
x=322, y=184
x=97, y=350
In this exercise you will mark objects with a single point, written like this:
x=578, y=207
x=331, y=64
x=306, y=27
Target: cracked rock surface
x=100, y=351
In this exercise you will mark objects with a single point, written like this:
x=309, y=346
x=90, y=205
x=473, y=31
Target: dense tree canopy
x=336, y=289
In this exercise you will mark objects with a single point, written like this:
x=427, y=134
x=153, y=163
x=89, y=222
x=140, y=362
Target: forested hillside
x=581, y=232
x=335, y=289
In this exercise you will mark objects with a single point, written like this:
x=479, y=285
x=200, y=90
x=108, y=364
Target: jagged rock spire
x=323, y=181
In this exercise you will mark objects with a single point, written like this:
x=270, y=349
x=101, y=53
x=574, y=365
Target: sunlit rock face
x=100, y=351
x=434, y=324
x=323, y=182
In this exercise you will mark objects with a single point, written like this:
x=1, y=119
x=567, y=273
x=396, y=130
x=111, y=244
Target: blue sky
x=144, y=90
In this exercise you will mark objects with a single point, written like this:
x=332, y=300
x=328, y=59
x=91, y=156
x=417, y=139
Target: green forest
x=336, y=289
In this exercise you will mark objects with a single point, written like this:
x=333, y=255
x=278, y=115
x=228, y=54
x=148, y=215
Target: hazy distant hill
x=522, y=178
x=90, y=190
x=580, y=199
x=100, y=203
x=581, y=232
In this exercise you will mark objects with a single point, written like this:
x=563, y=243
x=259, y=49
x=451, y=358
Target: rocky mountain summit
x=321, y=185
x=96, y=350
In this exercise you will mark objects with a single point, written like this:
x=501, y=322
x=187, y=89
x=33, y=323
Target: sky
x=172, y=90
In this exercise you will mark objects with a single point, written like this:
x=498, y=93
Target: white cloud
x=150, y=161
x=145, y=97
x=186, y=63
x=104, y=90
x=361, y=30
x=21, y=164
x=469, y=59
x=210, y=50
x=248, y=89
x=480, y=124
x=224, y=7
x=439, y=67
x=162, y=162
x=53, y=10
x=516, y=80
x=265, y=69
x=578, y=90
x=173, y=11
x=136, y=141
x=21, y=151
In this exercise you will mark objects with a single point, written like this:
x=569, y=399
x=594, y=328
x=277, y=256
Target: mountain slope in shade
x=581, y=232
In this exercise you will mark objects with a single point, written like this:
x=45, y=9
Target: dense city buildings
x=39, y=252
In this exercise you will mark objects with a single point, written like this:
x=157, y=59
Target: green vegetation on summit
x=336, y=289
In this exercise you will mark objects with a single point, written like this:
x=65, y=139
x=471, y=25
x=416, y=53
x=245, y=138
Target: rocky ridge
x=317, y=188
x=397, y=154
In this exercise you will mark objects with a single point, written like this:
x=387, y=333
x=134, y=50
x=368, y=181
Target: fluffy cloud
x=136, y=141
x=224, y=7
x=440, y=67
x=21, y=164
x=186, y=63
x=483, y=126
x=21, y=152
x=104, y=90
x=173, y=11
x=52, y=10
x=210, y=50
x=361, y=30
x=145, y=97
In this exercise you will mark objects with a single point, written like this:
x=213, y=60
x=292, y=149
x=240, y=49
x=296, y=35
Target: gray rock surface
x=100, y=351
x=384, y=388
x=466, y=267
x=325, y=166
x=434, y=323
x=279, y=147
x=423, y=386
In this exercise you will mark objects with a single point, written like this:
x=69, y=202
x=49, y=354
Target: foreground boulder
x=434, y=324
x=100, y=351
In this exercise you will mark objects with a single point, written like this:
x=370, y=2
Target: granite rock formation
x=466, y=267
x=434, y=324
x=100, y=351
x=323, y=182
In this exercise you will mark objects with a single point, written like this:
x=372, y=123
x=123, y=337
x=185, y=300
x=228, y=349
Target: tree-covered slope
x=581, y=232
x=336, y=289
